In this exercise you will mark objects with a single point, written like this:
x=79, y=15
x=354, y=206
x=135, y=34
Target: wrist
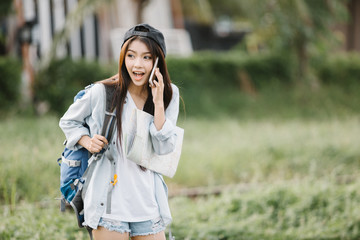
x=85, y=141
x=159, y=105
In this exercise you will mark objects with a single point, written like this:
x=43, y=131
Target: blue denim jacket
x=90, y=109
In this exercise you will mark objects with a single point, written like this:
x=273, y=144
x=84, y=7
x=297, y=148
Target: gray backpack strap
x=110, y=119
x=171, y=237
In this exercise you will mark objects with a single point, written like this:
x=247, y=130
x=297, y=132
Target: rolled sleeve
x=164, y=140
x=73, y=138
x=73, y=121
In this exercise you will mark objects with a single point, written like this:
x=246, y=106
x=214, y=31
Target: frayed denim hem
x=148, y=233
x=112, y=226
x=144, y=228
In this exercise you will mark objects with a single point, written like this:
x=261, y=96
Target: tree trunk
x=140, y=5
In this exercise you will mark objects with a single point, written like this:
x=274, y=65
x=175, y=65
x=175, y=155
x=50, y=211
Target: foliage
x=28, y=167
x=292, y=23
x=295, y=25
x=10, y=70
x=39, y=221
x=307, y=209
x=249, y=150
x=298, y=27
x=199, y=11
x=260, y=151
x=5, y=6
x=210, y=83
x=62, y=79
x=341, y=70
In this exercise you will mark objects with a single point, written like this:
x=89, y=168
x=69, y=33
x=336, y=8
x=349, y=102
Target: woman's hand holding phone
x=157, y=86
x=157, y=90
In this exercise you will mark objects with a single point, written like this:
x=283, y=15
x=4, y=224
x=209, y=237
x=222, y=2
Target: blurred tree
x=293, y=25
x=140, y=5
x=290, y=25
x=75, y=18
x=199, y=11
x=72, y=22
x=281, y=25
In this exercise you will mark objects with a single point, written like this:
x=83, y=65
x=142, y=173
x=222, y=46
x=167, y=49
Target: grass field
x=296, y=179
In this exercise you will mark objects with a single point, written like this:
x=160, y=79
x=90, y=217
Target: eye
x=129, y=55
x=147, y=57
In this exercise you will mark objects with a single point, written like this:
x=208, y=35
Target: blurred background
x=271, y=107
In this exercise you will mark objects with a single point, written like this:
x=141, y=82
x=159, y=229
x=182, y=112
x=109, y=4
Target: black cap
x=145, y=30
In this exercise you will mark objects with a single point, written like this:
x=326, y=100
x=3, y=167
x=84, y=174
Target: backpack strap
x=107, y=131
x=109, y=120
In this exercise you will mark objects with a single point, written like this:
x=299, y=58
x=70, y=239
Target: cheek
x=149, y=66
x=127, y=64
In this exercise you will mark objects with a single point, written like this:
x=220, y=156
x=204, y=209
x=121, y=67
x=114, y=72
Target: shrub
x=10, y=70
x=59, y=83
x=210, y=82
x=340, y=69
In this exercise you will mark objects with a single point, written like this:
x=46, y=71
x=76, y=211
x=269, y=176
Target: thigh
x=111, y=229
x=157, y=236
x=102, y=233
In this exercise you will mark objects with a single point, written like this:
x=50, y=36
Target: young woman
x=139, y=203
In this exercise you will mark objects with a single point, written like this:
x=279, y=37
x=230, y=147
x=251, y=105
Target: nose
x=138, y=62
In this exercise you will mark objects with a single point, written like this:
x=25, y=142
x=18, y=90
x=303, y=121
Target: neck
x=137, y=90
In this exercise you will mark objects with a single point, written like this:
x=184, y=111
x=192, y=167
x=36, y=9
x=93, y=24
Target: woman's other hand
x=94, y=144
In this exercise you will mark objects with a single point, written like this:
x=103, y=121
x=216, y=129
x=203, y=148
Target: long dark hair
x=122, y=80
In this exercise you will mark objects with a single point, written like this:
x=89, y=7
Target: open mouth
x=138, y=75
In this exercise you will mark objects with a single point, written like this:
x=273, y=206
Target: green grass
x=231, y=150
x=296, y=172
x=306, y=209
x=301, y=180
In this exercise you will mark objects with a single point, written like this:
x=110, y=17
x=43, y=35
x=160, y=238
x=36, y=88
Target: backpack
x=74, y=163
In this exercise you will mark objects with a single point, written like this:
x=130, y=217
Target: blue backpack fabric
x=73, y=164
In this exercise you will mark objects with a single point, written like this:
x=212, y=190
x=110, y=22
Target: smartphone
x=152, y=74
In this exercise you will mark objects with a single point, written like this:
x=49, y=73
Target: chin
x=139, y=83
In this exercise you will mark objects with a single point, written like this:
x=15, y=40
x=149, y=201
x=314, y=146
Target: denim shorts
x=134, y=228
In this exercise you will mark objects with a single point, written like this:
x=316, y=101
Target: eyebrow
x=130, y=50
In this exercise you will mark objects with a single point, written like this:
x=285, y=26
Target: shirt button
x=102, y=204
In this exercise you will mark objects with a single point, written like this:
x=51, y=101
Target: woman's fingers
x=101, y=138
x=159, y=77
x=97, y=143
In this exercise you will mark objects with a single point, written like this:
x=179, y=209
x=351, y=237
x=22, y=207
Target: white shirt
x=133, y=197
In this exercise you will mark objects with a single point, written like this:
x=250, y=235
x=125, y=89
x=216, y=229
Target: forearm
x=159, y=116
x=85, y=141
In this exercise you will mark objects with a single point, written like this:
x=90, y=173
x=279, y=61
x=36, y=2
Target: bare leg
x=158, y=236
x=102, y=233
